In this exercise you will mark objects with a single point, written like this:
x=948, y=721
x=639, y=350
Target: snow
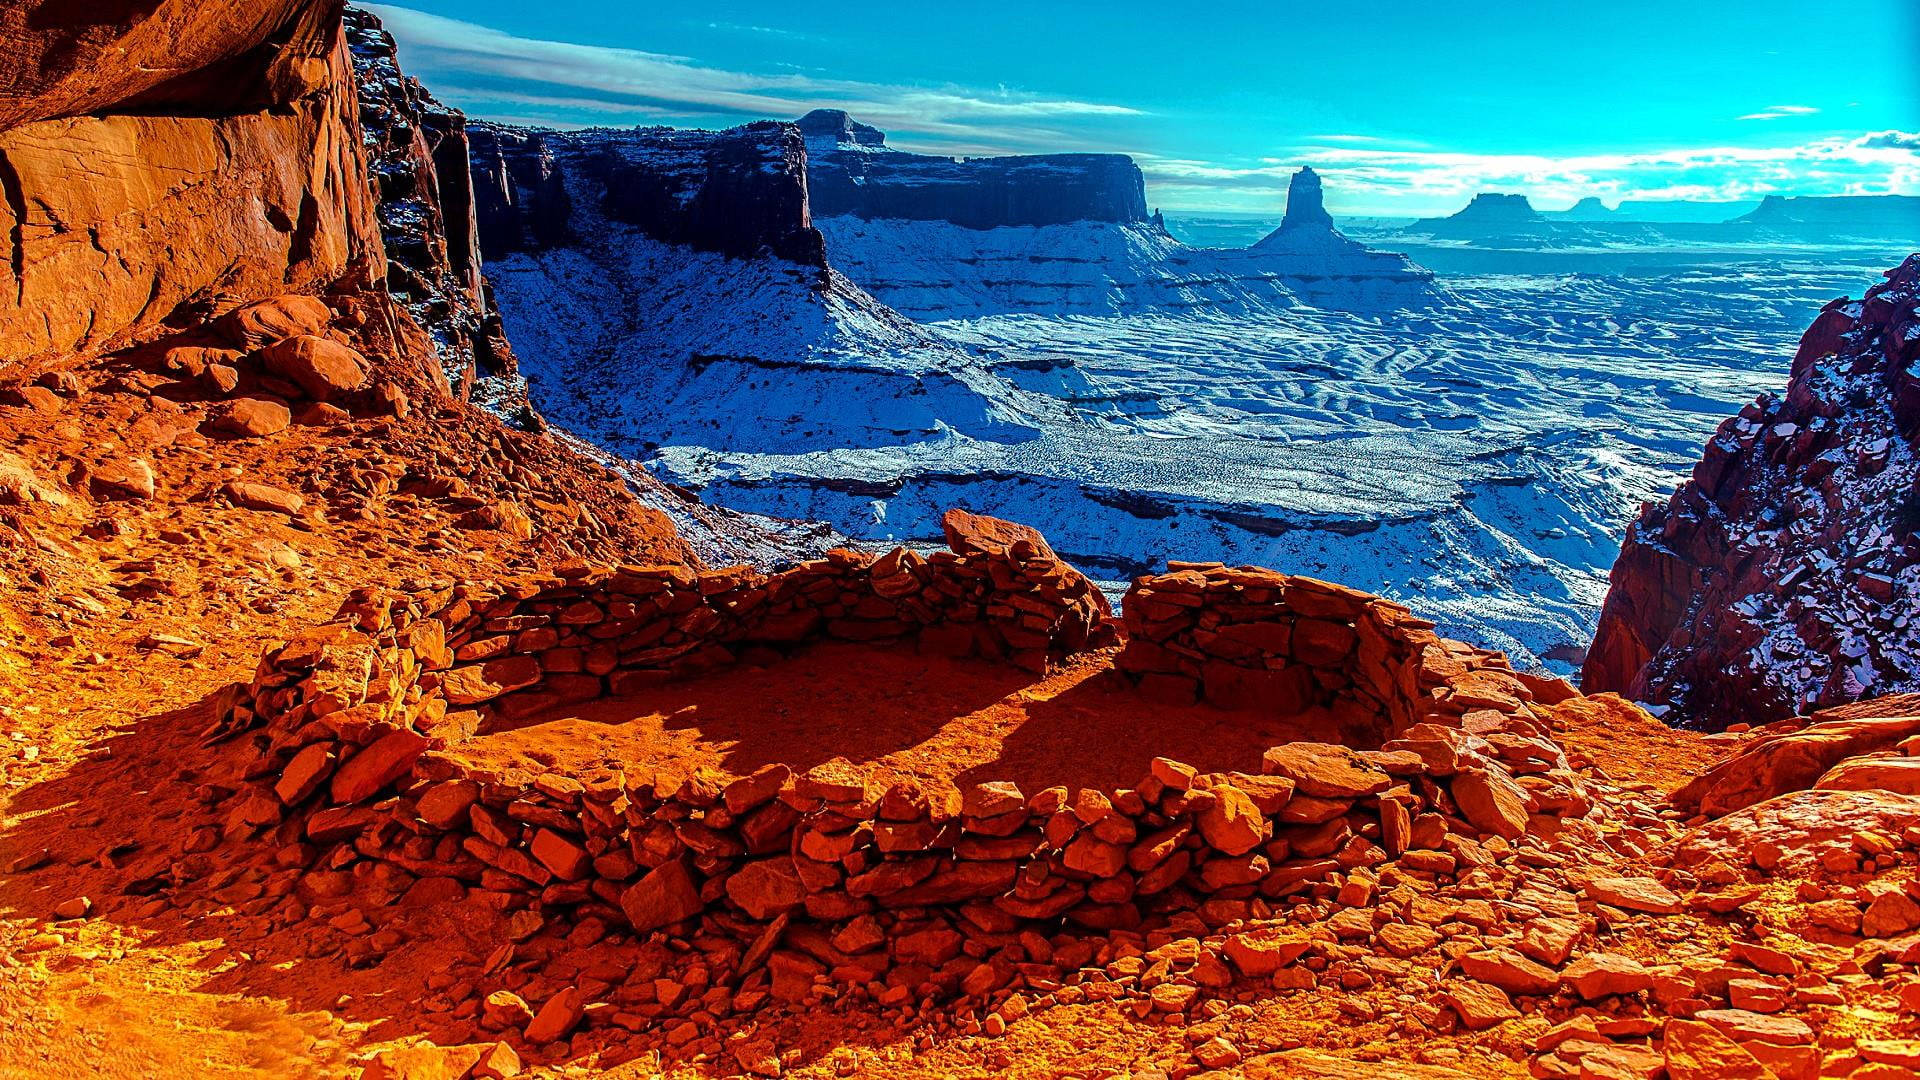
x=938, y=270
x=1475, y=450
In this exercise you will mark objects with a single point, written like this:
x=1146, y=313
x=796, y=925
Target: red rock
x=560, y=1015
x=1794, y=761
x=1696, y=1051
x=1231, y=823
x=476, y=683
x=1634, y=894
x=992, y=799
x=1622, y=1063
x=1491, y=801
x=304, y=774
x=1901, y=1053
x=126, y=212
x=1598, y=975
x=252, y=418
x=1478, y=1005
x=766, y=888
x=567, y=859
x=1265, y=950
x=264, y=497
x=128, y=478
x=1090, y=855
x=446, y=803
x=424, y=1061
x=263, y=322
x=376, y=765
x=1758, y=1027
x=977, y=534
x=321, y=367
x=1325, y=770
x=666, y=895
x=1900, y=775
x=1509, y=971
x=1173, y=775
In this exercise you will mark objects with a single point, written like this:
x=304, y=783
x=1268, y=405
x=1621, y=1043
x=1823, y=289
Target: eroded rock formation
x=418, y=152
x=740, y=192
x=1783, y=576
x=154, y=160
x=851, y=171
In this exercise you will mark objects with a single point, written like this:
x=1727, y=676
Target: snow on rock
x=852, y=172
x=939, y=238
x=664, y=287
x=417, y=153
x=1478, y=459
x=1784, y=576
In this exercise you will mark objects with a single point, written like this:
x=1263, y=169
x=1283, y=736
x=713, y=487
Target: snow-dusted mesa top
x=851, y=171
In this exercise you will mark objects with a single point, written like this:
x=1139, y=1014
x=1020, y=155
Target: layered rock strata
x=155, y=162
x=740, y=192
x=851, y=171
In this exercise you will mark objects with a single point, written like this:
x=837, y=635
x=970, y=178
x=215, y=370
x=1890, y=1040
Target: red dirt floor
x=897, y=715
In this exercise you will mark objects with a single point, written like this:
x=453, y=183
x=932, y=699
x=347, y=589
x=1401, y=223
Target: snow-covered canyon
x=1473, y=445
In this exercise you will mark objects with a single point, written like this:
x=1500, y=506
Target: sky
x=1405, y=108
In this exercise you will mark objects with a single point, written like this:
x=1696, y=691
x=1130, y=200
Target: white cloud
x=479, y=66
x=1368, y=179
x=1776, y=112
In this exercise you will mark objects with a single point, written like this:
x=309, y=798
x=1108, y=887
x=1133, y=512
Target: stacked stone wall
x=921, y=886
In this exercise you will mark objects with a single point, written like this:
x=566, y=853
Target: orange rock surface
x=1526, y=883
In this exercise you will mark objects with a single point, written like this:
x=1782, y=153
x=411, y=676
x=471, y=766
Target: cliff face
x=153, y=160
x=852, y=172
x=1781, y=578
x=418, y=161
x=741, y=192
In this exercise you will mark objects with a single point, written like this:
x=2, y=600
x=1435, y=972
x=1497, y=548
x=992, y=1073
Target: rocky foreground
x=225, y=850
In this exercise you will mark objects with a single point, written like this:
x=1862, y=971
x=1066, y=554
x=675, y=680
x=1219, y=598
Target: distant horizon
x=1428, y=109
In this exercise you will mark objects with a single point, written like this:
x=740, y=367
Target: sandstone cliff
x=1783, y=576
x=153, y=160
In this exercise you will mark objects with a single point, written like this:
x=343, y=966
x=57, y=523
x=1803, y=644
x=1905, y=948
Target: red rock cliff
x=1784, y=577
x=151, y=159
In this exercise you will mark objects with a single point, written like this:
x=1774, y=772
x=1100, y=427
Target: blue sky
x=1405, y=108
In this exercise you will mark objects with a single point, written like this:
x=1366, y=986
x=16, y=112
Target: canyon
x=369, y=709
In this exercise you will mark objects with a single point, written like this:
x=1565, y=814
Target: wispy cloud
x=493, y=72
x=1369, y=179
x=1776, y=112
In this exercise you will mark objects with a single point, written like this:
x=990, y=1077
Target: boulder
x=378, y=764
x=1789, y=834
x=321, y=367
x=1774, y=765
x=666, y=895
x=264, y=497
x=1899, y=775
x=251, y=418
x=1325, y=770
x=977, y=534
x=263, y=322
x=1491, y=801
x=121, y=478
